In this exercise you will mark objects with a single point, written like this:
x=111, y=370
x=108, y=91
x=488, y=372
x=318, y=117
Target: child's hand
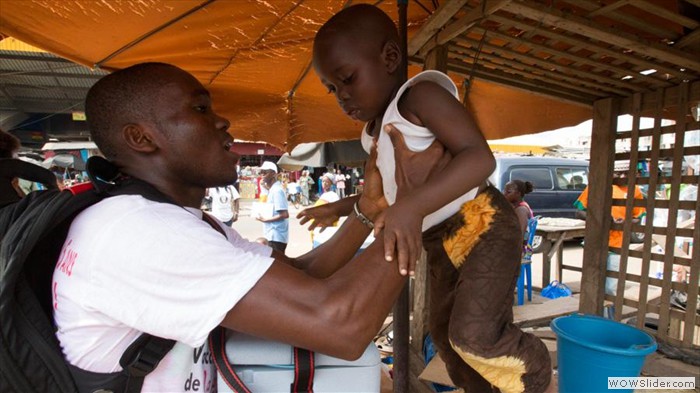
x=321, y=216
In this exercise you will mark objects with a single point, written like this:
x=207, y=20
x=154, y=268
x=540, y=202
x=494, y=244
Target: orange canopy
x=254, y=57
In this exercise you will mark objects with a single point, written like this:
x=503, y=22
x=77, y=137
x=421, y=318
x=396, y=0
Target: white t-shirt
x=340, y=180
x=221, y=202
x=130, y=265
x=329, y=196
x=417, y=139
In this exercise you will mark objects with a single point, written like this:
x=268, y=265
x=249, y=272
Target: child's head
x=516, y=189
x=357, y=57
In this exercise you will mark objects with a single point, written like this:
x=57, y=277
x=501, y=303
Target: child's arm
x=326, y=215
x=433, y=107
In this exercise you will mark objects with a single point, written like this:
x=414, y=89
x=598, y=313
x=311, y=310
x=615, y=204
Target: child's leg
x=443, y=280
x=487, y=250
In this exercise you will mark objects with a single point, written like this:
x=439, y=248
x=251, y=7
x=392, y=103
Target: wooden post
x=595, y=251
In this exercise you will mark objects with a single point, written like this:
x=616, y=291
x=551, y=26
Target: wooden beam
x=527, y=85
x=436, y=22
x=676, y=173
x=643, y=63
x=437, y=59
x=670, y=98
x=666, y=14
x=613, y=36
x=558, y=71
x=688, y=39
x=617, y=81
x=609, y=8
x=595, y=251
x=539, y=83
x=473, y=17
x=660, y=32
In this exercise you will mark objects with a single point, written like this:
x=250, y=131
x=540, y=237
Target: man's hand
x=401, y=223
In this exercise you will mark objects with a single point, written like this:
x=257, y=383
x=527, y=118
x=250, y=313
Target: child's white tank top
x=417, y=139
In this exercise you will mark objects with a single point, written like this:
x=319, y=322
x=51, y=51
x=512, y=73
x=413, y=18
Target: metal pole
x=401, y=308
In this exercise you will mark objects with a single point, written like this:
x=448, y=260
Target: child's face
x=356, y=73
x=511, y=193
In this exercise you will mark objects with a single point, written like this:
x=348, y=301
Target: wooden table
x=553, y=238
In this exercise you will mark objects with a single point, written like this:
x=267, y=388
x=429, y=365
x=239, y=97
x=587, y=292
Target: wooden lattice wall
x=666, y=156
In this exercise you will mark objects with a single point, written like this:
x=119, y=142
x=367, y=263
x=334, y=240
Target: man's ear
x=391, y=55
x=139, y=138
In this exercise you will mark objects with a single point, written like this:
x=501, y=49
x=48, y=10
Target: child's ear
x=139, y=138
x=391, y=55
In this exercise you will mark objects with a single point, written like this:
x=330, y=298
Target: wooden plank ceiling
x=574, y=50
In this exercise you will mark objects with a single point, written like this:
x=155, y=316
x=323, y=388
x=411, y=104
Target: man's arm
x=337, y=315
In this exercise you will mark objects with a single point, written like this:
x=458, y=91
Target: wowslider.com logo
x=659, y=383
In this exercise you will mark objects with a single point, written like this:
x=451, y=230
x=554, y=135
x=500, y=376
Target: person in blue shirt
x=276, y=228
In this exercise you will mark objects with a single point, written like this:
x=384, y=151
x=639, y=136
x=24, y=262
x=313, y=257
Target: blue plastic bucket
x=590, y=349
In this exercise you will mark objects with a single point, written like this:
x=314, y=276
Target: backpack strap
x=304, y=366
x=303, y=371
x=138, y=360
x=217, y=341
x=141, y=358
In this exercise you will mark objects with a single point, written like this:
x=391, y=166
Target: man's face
x=355, y=73
x=268, y=177
x=196, y=144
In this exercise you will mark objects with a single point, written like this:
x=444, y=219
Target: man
x=225, y=203
x=143, y=266
x=617, y=214
x=276, y=227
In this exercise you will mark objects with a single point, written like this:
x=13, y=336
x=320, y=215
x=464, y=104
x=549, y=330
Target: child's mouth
x=353, y=113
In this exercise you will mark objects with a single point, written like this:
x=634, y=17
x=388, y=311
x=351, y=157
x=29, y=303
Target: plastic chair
x=526, y=264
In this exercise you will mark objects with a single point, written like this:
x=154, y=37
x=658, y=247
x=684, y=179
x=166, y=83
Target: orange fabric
x=251, y=56
x=618, y=192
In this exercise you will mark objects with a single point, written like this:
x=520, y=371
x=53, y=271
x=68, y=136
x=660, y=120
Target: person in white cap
x=275, y=228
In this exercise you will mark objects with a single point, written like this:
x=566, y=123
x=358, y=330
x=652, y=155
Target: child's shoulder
x=431, y=84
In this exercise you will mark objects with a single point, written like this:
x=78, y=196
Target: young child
x=470, y=231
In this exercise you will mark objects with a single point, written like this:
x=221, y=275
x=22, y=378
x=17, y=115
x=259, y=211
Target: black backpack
x=32, y=233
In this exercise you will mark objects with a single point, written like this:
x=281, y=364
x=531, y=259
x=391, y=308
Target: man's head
x=357, y=57
x=268, y=170
x=621, y=168
x=156, y=122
